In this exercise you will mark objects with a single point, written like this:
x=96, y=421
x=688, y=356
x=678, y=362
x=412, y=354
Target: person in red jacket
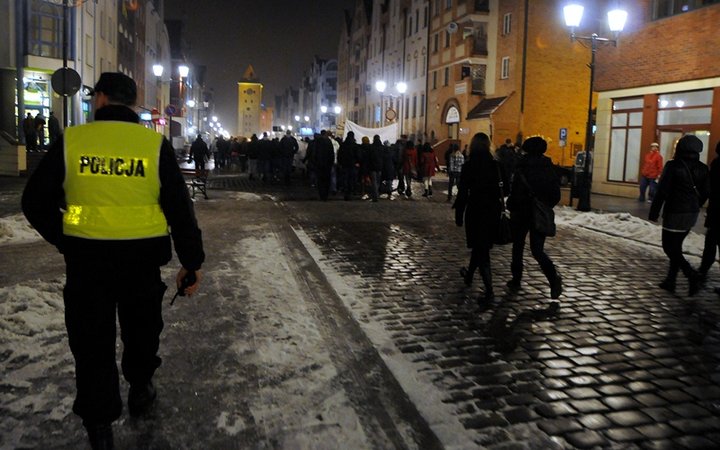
x=650, y=172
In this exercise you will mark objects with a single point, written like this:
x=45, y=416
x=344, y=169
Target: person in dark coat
x=200, y=153
x=323, y=161
x=388, y=171
x=478, y=203
x=288, y=147
x=348, y=162
x=53, y=128
x=375, y=161
x=712, y=220
x=534, y=176
x=409, y=167
x=684, y=187
x=30, y=132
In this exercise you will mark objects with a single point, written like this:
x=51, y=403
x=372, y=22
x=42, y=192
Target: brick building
x=506, y=68
x=660, y=82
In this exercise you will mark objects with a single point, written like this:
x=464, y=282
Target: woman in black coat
x=534, y=175
x=712, y=220
x=478, y=201
x=684, y=187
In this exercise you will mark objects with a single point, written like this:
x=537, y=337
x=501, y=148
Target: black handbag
x=542, y=216
x=503, y=235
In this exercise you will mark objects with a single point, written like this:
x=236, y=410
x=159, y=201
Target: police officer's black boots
x=100, y=436
x=141, y=398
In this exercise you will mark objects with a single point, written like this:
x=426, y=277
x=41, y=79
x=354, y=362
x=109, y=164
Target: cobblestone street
x=622, y=364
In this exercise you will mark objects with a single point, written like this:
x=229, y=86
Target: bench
x=195, y=180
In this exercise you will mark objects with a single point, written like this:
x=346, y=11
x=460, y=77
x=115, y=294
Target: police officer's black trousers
x=95, y=290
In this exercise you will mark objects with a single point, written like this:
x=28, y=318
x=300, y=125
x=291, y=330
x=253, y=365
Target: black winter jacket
x=713, y=210
x=44, y=197
x=478, y=200
x=684, y=187
x=541, y=177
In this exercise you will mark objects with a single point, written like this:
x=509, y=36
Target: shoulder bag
x=542, y=217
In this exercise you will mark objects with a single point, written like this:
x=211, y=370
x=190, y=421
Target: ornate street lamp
x=616, y=21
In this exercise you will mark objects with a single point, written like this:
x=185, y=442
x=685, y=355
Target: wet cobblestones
x=622, y=364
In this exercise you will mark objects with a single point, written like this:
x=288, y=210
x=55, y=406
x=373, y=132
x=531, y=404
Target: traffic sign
x=563, y=134
x=65, y=82
x=171, y=110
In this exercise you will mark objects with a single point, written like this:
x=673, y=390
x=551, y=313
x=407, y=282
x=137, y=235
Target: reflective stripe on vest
x=112, y=182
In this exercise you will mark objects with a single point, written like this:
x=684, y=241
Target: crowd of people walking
x=512, y=179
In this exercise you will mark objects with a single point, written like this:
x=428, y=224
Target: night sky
x=278, y=37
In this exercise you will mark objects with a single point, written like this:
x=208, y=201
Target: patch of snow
x=15, y=229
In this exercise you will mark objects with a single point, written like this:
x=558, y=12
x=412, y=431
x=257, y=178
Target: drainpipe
x=19, y=69
x=524, y=66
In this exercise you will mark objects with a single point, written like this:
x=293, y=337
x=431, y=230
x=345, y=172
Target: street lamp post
x=616, y=20
x=401, y=88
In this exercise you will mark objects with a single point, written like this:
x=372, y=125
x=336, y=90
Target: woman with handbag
x=478, y=203
x=535, y=180
x=683, y=189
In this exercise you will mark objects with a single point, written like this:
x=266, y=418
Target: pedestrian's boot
x=100, y=436
x=425, y=194
x=430, y=192
x=486, y=275
x=668, y=283
x=140, y=398
x=514, y=283
x=467, y=275
x=695, y=280
x=556, y=287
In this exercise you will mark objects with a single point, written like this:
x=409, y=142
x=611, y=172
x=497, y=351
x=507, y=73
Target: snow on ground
x=624, y=225
x=15, y=229
x=307, y=409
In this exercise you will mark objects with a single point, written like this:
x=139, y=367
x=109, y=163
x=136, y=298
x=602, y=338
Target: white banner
x=388, y=133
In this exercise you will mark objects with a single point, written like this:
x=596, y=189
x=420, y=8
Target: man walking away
x=30, y=133
x=288, y=148
x=121, y=190
x=53, y=128
x=200, y=153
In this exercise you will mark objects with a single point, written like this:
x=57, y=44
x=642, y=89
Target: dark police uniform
x=106, y=195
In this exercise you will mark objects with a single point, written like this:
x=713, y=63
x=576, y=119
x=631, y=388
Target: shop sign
x=453, y=115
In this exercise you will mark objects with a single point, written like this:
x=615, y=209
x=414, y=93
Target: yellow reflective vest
x=112, y=182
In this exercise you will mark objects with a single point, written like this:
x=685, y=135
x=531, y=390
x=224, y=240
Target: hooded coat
x=684, y=187
x=478, y=199
x=541, y=178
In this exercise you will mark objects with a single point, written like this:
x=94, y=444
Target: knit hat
x=689, y=144
x=119, y=87
x=535, y=144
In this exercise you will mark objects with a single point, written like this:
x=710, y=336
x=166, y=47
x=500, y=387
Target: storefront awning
x=485, y=108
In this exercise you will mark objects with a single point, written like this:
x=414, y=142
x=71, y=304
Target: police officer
x=105, y=195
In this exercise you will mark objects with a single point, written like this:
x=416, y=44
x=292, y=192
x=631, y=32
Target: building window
x=447, y=39
x=426, y=17
x=422, y=105
x=436, y=7
x=505, y=70
x=625, y=135
x=414, y=106
x=667, y=8
x=89, y=50
x=507, y=24
x=447, y=76
x=436, y=39
x=448, y=4
x=45, y=30
x=417, y=19
x=409, y=28
x=434, y=84
x=407, y=107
